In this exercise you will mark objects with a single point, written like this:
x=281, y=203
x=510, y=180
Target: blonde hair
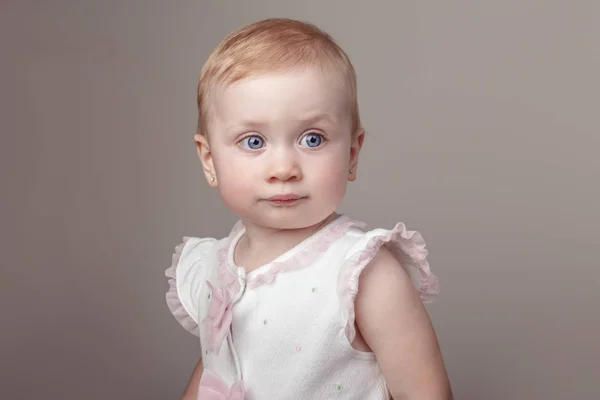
x=273, y=45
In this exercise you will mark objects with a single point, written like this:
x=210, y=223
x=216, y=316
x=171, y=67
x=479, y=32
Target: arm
x=191, y=391
x=394, y=323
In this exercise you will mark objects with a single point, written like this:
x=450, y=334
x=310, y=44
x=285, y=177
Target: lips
x=283, y=199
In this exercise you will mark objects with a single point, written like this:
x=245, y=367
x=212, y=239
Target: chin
x=279, y=220
x=286, y=222
x=295, y=220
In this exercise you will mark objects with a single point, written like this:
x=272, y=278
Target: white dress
x=284, y=330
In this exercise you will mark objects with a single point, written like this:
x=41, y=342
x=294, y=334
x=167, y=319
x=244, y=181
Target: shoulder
x=393, y=248
x=383, y=283
x=192, y=261
x=194, y=255
x=384, y=256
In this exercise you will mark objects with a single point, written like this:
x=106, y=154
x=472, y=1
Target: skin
x=283, y=112
x=290, y=132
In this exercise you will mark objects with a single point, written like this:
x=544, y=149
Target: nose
x=284, y=166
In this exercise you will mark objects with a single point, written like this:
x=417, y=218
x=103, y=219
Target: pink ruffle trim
x=408, y=247
x=305, y=257
x=173, y=301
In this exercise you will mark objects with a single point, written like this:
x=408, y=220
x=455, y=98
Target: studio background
x=483, y=133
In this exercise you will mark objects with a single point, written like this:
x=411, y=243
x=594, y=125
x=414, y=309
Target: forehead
x=282, y=96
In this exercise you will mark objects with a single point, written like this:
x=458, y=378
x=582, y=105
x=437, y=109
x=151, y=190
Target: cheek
x=228, y=165
x=332, y=175
x=235, y=178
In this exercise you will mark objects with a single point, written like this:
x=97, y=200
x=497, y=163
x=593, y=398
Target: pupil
x=314, y=140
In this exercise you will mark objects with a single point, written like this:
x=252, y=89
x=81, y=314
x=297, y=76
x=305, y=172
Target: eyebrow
x=261, y=124
x=313, y=119
x=245, y=124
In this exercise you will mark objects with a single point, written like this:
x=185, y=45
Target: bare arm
x=393, y=322
x=191, y=391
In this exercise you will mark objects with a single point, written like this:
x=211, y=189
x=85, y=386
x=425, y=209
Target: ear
x=357, y=143
x=205, y=156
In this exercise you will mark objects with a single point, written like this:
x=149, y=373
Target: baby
x=298, y=302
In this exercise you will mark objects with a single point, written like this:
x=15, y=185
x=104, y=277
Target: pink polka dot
x=298, y=348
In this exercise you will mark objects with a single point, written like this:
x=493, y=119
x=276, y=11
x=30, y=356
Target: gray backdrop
x=483, y=132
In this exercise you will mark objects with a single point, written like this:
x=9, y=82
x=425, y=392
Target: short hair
x=273, y=45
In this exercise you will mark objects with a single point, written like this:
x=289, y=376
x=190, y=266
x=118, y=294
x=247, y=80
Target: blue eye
x=312, y=140
x=252, y=142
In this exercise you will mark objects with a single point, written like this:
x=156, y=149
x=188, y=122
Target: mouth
x=285, y=199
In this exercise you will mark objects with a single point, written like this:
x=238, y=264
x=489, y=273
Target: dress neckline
x=299, y=256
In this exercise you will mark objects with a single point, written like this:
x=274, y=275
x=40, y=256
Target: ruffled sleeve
x=409, y=249
x=185, y=276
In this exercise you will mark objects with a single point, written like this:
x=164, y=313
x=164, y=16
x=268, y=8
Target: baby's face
x=281, y=147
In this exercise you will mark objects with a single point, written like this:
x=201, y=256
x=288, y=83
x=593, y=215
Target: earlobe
x=205, y=156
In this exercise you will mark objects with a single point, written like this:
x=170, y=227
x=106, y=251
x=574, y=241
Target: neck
x=256, y=234
x=261, y=244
